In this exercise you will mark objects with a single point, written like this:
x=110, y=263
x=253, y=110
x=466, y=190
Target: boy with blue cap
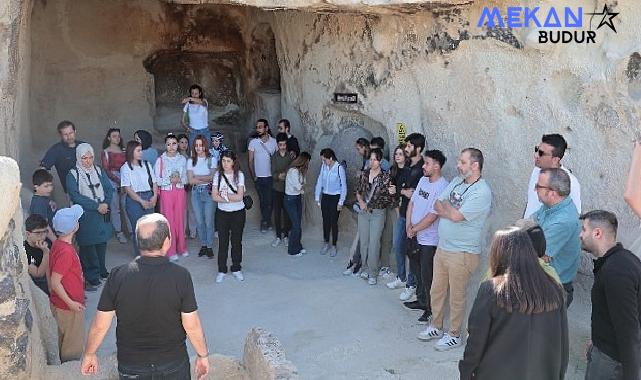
x=67, y=293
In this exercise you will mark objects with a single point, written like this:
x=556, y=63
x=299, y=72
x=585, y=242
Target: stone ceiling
x=342, y=6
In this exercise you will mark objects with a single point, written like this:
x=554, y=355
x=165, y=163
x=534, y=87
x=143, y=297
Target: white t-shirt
x=533, y=203
x=225, y=191
x=138, y=177
x=262, y=155
x=197, y=115
x=201, y=167
x=422, y=204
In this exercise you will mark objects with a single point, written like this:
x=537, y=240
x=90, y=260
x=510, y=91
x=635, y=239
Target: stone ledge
x=264, y=357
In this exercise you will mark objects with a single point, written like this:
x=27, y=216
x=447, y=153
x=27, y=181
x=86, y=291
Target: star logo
x=606, y=18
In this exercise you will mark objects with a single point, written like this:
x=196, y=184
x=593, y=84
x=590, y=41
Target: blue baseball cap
x=66, y=219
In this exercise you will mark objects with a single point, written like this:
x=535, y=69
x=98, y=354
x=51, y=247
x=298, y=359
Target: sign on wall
x=345, y=98
x=401, y=132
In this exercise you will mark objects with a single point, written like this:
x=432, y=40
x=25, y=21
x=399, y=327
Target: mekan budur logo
x=555, y=18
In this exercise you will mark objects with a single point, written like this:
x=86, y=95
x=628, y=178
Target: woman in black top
x=398, y=174
x=518, y=326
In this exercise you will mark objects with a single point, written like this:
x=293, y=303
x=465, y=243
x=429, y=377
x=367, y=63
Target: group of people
x=438, y=225
x=520, y=309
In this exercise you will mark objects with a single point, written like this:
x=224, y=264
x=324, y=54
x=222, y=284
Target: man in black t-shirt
x=155, y=306
x=37, y=248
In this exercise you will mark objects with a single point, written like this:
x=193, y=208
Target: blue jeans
x=204, y=206
x=92, y=259
x=173, y=370
x=193, y=133
x=294, y=208
x=135, y=212
x=400, y=247
x=264, y=190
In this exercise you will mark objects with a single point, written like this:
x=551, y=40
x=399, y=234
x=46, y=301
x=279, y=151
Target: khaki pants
x=370, y=228
x=71, y=333
x=453, y=270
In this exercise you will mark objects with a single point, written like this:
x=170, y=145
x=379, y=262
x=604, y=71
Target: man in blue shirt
x=559, y=220
x=62, y=154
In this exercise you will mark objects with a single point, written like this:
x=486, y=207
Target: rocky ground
x=331, y=326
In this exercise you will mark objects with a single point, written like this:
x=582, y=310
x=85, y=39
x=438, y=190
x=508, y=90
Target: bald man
x=156, y=310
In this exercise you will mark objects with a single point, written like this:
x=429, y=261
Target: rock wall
x=21, y=351
x=128, y=64
x=498, y=90
x=14, y=75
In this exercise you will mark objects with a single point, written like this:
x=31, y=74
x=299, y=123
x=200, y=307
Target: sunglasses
x=540, y=152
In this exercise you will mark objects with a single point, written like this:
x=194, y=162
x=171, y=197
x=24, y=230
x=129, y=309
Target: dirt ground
x=331, y=326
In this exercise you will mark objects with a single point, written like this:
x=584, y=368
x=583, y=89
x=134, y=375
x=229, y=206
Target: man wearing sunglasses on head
x=548, y=154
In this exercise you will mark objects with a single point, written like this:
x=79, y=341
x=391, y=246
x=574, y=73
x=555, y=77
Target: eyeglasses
x=40, y=232
x=538, y=187
x=541, y=152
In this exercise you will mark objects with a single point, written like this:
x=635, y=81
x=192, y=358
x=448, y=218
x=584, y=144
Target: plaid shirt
x=381, y=198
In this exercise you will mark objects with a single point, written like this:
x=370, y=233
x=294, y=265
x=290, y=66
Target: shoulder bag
x=247, y=200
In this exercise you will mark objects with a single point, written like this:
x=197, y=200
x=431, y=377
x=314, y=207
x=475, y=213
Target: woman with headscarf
x=149, y=153
x=89, y=187
x=217, y=145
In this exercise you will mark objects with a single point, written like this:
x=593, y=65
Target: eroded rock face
x=21, y=353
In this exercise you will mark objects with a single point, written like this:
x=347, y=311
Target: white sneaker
x=121, y=238
x=323, y=250
x=220, y=277
x=408, y=293
x=239, y=275
x=286, y=241
x=371, y=281
x=184, y=254
x=430, y=333
x=332, y=251
x=173, y=258
x=447, y=342
x=397, y=283
x=364, y=275
x=276, y=242
x=385, y=272
x=302, y=251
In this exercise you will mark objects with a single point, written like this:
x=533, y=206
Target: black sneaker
x=414, y=305
x=203, y=251
x=90, y=288
x=105, y=275
x=425, y=319
x=210, y=253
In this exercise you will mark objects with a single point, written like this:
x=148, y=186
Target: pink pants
x=172, y=206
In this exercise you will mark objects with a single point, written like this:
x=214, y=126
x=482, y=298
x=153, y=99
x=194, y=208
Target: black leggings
x=329, y=211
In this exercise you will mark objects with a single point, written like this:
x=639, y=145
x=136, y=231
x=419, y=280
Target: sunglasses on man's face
x=541, y=152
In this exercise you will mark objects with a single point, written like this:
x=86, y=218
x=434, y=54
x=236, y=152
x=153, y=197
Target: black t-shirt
x=413, y=177
x=34, y=255
x=149, y=294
